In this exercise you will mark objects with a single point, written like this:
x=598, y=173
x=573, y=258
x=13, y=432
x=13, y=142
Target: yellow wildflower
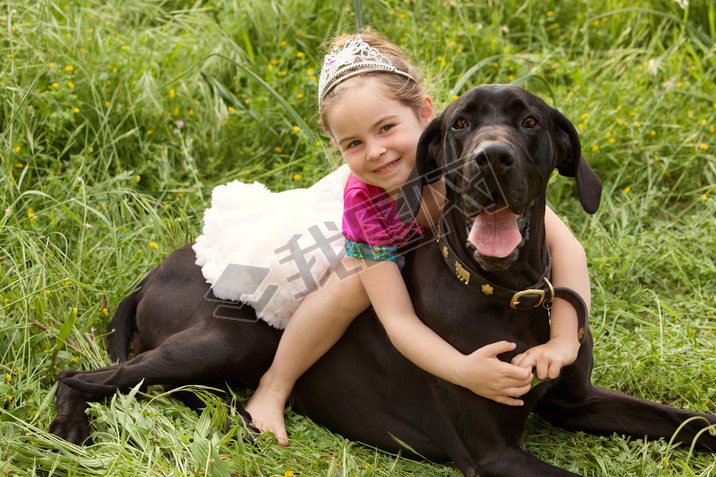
x=154, y=244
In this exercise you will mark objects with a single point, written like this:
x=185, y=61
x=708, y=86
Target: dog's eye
x=459, y=124
x=530, y=123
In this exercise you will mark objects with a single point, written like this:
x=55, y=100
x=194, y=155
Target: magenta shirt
x=371, y=225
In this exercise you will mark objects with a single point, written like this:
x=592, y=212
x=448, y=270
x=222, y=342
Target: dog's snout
x=497, y=155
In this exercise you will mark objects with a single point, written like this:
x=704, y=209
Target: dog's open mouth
x=496, y=235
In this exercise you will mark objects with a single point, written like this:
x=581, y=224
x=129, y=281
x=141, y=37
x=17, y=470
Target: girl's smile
x=377, y=134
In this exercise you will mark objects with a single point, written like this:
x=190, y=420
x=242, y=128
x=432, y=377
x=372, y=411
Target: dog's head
x=496, y=147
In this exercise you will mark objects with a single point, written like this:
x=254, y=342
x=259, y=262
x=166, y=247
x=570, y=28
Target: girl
x=372, y=106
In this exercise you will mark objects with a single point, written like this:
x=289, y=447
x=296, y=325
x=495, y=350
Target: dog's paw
x=74, y=430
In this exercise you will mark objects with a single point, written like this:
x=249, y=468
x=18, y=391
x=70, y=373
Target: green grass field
x=117, y=118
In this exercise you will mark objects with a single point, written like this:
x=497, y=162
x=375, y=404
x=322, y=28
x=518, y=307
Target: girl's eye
x=386, y=128
x=459, y=124
x=530, y=123
x=355, y=143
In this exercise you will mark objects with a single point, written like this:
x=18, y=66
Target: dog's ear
x=426, y=171
x=589, y=187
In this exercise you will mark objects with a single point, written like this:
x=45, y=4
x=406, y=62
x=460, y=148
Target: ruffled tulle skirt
x=270, y=249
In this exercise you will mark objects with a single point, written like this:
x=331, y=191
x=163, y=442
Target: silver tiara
x=356, y=57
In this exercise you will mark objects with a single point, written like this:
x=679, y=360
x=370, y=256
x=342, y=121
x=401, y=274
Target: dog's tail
x=123, y=324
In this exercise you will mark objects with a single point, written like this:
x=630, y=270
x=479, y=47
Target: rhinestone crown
x=355, y=58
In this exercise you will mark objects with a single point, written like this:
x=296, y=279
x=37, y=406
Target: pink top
x=371, y=225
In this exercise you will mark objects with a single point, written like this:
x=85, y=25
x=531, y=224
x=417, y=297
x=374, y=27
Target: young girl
x=372, y=106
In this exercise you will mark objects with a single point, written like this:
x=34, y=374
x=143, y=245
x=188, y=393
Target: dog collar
x=541, y=293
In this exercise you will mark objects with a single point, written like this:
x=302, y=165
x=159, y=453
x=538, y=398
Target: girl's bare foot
x=266, y=408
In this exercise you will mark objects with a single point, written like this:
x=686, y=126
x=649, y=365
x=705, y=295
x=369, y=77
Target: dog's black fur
x=363, y=388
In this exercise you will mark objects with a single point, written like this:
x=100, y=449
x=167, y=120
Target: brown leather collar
x=541, y=293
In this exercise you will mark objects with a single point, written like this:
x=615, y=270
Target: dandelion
x=71, y=85
x=149, y=132
x=594, y=148
x=154, y=244
x=712, y=128
x=75, y=359
x=584, y=116
x=283, y=43
x=296, y=128
x=31, y=215
x=297, y=177
x=17, y=149
x=139, y=178
x=191, y=112
x=125, y=47
x=176, y=111
x=231, y=109
x=8, y=377
x=278, y=149
x=300, y=54
x=69, y=68
x=171, y=93
x=76, y=110
x=54, y=85
x=627, y=189
x=703, y=197
x=300, y=96
x=704, y=146
x=288, y=473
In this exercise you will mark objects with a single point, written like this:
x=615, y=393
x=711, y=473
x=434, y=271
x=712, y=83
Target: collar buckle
x=515, y=300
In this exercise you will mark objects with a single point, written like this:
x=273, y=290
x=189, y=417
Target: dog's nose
x=495, y=155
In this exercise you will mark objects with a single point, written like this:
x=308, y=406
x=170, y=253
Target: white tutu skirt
x=270, y=249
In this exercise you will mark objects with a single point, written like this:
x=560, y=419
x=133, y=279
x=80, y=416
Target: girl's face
x=377, y=135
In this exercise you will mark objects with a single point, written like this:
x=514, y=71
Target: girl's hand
x=484, y=374
x=549, y=358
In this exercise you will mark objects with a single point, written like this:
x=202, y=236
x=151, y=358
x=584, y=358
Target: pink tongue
x=495, y=235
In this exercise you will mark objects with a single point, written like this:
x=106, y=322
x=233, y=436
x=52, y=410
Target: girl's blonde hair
x=407, y=91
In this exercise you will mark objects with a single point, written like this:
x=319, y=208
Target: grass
x=117, y=118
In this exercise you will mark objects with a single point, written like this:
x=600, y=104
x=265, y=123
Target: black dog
x=495, y=147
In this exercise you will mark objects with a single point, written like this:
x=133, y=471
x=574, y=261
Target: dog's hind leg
x=225, y=351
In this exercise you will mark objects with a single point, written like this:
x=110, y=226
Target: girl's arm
x=481, y=372
x=569, y=269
